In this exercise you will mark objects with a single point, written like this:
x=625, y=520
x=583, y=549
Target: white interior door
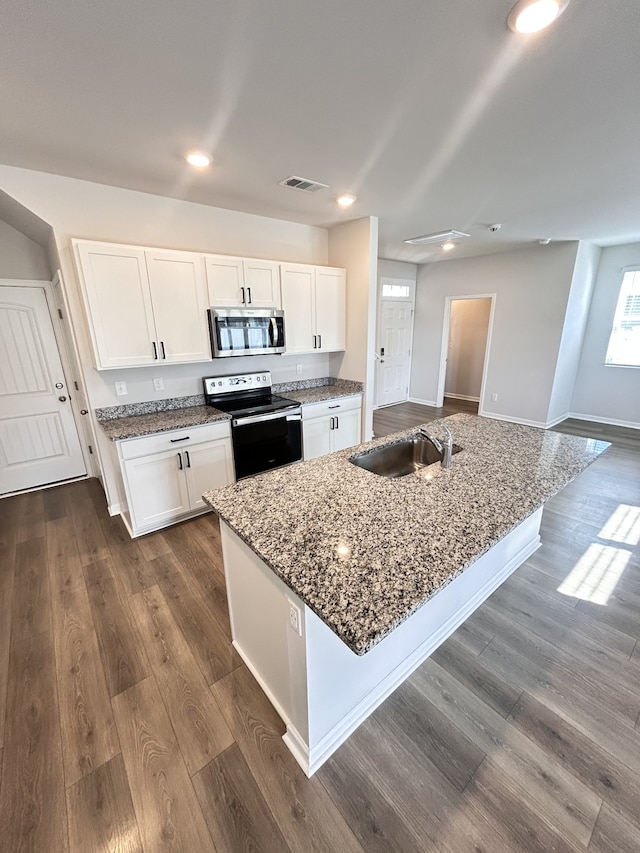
x=394, y=350
x=38, y=438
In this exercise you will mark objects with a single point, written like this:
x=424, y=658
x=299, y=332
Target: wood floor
x=128, y=723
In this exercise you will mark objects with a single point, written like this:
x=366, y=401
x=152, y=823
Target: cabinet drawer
x=331, y=407
x=131, y=448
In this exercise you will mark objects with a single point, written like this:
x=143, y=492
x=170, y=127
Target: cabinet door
x=118, y=300
x=179, y=300
x=207, y=466
x=225, y=279
x=347, y=431
x=262, y=283
x=157, y=489
x=330, y=298
x=316, y=437
x=297, y=282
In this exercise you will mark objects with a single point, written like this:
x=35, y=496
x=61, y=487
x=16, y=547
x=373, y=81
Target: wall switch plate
x=494, y=398
x=121, y=389
x=295, y=618
x=298, y=368
x=158, y=384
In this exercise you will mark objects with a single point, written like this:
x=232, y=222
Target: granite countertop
x=134, y=426
x=364, y=552
x=133, y=420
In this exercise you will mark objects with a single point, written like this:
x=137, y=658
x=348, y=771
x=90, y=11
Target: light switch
x=121, y=389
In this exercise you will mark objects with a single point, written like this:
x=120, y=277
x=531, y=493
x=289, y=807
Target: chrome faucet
x=444, y=448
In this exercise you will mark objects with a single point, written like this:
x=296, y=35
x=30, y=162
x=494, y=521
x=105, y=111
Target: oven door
x=235, y=332
x=263, y=442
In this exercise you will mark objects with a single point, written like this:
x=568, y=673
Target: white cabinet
x=243, y=282
x=330, y=426
x=314, y=304
x=143, y=306
x=166, y=473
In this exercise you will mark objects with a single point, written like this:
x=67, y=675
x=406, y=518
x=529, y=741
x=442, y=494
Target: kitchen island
x=341, y=582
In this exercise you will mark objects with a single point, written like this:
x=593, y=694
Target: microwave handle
x=273, y=333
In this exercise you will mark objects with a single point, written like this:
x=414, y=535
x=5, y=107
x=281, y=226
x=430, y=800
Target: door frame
x=63, y=352
x=446, y=327
x=412, y=299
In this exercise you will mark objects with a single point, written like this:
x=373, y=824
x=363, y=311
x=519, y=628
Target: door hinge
x=60, y=313
x=90, y=449
x=77, y=387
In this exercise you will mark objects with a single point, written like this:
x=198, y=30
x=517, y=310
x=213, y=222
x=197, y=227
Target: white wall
x=20, y=257
x=608, y=394
x=468, y=329
x=532, y=288
x=575, y=322
x=354, y=245
x=397, y=269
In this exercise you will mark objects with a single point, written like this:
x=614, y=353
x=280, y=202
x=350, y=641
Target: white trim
x=462, y=397
x=263, y=686
x=45, y=486
x=598, y=419
x=511, y=419
x=422, y=402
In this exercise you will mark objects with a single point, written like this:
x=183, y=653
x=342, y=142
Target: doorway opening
x=394, y=340
x=466, y=342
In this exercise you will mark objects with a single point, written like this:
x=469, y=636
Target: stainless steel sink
x=399, y=459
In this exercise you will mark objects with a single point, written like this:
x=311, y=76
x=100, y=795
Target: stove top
x=256, y=406
x=243, y=395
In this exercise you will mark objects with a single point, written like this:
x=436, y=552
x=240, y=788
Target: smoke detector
x=303, y=184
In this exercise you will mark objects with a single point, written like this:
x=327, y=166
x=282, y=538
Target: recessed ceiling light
x=438, y=237
x=448, y=246
x=346, y=200
x=198, y=159
x=530, y=16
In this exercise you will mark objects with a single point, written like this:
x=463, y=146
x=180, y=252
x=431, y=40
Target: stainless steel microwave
x=246, y=331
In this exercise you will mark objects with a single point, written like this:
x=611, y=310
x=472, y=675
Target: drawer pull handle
x=184, y=438
x=335, y=407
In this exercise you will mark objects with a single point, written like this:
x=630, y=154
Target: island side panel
x=259, y=613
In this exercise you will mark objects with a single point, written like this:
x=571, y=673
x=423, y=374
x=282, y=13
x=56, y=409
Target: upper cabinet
x=143, y=306
x=314, y=303
x=242, y=282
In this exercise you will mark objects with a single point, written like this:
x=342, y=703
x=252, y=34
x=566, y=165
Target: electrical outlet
x=121, y=389
x=158, y=384
x=298, y=369
x=494, y=398
x=295, y=618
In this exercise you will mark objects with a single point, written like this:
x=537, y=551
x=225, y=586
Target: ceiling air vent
x=438, y=237
x=303, y=184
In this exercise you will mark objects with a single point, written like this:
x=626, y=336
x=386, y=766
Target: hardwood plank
x=100, y=810
x=235, y=810
x=493, y=794
x=581, y=755
x=8, y=516
x=199, y=725
x=30, y=518
x=153, y=545
x=472, y=637
x=208, y=641
x=567, y=804
x=90, y=539
x=121, y=650
x=32, y=803
x=89, y=738
x=133, y=572
x=472, y=671
x=200, y=557
x=613, y=833
x=302, y=808
x=432, y=734
x=166, y=807
x=56, y=502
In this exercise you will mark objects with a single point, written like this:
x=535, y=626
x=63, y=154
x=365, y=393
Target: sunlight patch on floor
x=595, y=575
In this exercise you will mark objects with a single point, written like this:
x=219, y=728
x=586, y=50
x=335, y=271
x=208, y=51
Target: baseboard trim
x=600, y=420
x=422, y=402
x=462, y=397
x=511, y=419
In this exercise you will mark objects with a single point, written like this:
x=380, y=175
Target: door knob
x=62, y=399
x=84, y=411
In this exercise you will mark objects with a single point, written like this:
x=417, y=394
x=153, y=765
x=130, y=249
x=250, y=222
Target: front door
x=394, y=349
x=38, y=438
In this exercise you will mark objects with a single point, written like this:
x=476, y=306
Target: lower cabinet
x=330, y=426
x=166, y=473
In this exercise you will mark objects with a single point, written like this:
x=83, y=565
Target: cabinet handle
x=249, y=292
x=337, y=422
x=184, y=438
x=331, y=423
x=155, y=350
x=186, y=453
x=315, y=338
x=244, y=301
x=319, y=341
x=337, y=406
x=164, y=355
x=180, y=461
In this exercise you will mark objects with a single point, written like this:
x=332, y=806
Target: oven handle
x=274, y=416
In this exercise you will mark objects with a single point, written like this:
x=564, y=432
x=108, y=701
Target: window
x=624, y=343
x=396, y=291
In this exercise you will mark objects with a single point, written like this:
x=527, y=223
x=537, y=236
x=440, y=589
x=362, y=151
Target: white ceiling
x=432, y=113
